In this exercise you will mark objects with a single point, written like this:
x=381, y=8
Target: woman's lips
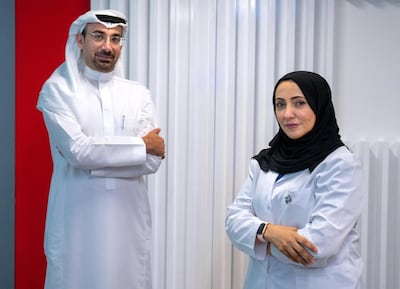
x=291, y=125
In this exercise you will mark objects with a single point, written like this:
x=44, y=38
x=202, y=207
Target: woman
x=296, y=213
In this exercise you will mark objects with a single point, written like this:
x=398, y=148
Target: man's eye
x=116, y=39
x=98, y=37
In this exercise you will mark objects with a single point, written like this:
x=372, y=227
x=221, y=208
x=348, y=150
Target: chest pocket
x=132, y=126
x=293, y=207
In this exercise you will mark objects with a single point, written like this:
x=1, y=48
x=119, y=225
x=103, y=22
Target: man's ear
x=79, y=40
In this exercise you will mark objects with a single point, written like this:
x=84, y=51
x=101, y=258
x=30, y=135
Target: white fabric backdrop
x=211, y=66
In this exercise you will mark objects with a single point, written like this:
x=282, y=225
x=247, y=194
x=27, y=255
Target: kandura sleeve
x=88, y=152
x=339, y=201
x=241, y=223
x=149, y=167
x=145, y=123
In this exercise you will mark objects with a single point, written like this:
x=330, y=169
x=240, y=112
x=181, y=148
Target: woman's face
x=294, y=114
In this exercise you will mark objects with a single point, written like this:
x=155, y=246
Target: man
x=103, y=140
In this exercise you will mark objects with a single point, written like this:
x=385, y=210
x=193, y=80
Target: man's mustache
x=104, y=53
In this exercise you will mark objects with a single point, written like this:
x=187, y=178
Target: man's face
x=101, y=46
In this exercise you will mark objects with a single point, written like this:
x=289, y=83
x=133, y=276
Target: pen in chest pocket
x=123, y=122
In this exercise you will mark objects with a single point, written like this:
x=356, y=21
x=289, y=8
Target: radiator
x=380, y=221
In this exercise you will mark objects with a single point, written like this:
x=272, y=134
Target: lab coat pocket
x=293, y=207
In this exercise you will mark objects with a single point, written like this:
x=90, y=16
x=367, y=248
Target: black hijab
x=287, y=155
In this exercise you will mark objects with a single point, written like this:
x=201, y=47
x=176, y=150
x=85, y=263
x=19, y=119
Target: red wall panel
x=41, y=34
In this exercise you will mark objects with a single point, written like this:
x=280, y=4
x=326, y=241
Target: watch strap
x=261, y=231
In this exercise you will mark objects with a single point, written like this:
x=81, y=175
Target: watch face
x=260, y=229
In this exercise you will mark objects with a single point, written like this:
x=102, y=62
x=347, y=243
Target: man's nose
x=107, y=43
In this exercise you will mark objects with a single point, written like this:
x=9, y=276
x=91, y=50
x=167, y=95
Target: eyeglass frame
x=100, y=37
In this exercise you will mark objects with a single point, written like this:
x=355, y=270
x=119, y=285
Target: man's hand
x=154, y=143
x=290, y=243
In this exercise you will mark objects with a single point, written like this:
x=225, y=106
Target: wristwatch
x=260, y=232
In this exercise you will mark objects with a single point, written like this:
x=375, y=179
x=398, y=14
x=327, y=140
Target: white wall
x=367, y=69
x=211, y=66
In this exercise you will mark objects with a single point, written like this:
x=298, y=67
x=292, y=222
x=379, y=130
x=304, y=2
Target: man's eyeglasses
x=100, y=38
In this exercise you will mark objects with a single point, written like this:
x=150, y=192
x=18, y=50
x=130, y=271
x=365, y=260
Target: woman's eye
x=299, y=103
x=279, y=105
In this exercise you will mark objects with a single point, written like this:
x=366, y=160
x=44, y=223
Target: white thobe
x=324, y=205
x=98, y=226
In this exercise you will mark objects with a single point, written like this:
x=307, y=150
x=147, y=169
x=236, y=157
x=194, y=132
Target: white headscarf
x=65, y=81
x=72, y=51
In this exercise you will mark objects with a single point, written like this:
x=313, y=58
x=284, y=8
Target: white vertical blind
x=380, y=235
x=211, y=66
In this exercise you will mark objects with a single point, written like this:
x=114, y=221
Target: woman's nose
x=289, y=112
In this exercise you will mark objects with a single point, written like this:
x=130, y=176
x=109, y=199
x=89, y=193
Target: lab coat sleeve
x=149, y=167
x=339, y=201
x=91, y=152
x=241, y=223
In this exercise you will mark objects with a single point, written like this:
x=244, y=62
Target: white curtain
x=211, y=66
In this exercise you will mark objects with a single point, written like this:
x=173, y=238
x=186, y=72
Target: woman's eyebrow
x=297, y=97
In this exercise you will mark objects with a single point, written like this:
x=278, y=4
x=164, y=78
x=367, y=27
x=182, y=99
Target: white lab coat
x=98, y=226
x=324, y=205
